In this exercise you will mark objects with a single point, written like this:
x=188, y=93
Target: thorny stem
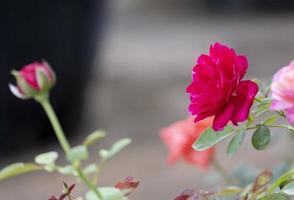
x=44, y=101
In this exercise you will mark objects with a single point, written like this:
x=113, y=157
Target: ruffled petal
x=241, y=66
x=243, y=101
x=204, y=60
x=224, y=58
x=222, y=118
x=222, y=52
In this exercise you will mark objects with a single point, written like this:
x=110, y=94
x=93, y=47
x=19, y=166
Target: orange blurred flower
x=179, y=138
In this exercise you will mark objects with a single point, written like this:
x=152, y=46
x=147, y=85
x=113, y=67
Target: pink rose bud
x=33, y=79
x=282, y=91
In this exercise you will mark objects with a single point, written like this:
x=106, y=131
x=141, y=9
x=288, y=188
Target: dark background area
x=65, y=34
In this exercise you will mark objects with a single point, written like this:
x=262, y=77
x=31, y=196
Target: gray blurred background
x=137, y=86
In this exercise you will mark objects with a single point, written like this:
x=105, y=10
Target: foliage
x=219, y=75
x=34, y=82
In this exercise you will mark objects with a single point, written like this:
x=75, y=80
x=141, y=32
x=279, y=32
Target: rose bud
x=33, y=79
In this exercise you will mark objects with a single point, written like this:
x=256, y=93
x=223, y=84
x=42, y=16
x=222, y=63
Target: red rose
x=217, y=88
x=33, y=79
x=179, y=138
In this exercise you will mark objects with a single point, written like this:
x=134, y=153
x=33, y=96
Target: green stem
x=88, y=183
x=271, y=126
x=44, y=101
x=56, y=125
x=221, y=170
x=279, y=181
x=99, y=168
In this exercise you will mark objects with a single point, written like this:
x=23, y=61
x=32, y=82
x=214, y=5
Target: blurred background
x=122, y=66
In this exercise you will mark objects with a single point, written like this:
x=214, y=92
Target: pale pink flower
x=282, y=91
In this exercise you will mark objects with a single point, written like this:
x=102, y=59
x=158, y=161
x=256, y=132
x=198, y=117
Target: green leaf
x=210, y=137
x=261, y=137
x=275, y=196
x=67, y=170
x=94, y=137
x=262, y=180
x=78, y=153
x=261, y=108
x=289, y=189
x=270, y=120
x=90, y=169
x=250, y=119
x=48, y=158
x=116, y=147
x=17, y=169
x=108, y=193
x=236, y=142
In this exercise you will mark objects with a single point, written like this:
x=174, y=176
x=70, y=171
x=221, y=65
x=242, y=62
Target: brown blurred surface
x=146, y=65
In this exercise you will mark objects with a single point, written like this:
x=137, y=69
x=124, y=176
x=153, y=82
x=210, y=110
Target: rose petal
x=14, y=90
x=204, y=60
x=222, y=118
x=243, y=101
x=280, y=105
x=225, y=58
x=179, y=138
x=28, y=73
x=242, y=65
x=290, y=115
x=175, y=138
